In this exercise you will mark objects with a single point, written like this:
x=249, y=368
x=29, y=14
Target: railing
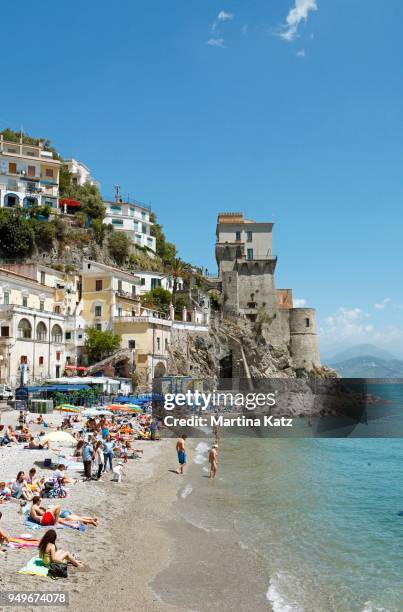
x=141, y=319
x=126, y=200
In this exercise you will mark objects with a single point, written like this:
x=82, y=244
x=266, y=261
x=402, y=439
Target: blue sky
x=289, y=110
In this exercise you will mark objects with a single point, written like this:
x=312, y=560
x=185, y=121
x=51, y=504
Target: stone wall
x=304, y=341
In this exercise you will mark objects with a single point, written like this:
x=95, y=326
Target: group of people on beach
x=99, y=443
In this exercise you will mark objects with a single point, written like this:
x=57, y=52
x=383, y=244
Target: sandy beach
x=147, y=552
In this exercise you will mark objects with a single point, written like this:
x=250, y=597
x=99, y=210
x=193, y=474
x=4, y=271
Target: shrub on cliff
x=17, y=239
x=44, y=233
x=118, y=245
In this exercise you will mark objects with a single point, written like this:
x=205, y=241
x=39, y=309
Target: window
x=23, y=359
x=31, y=171
x=98, y=311
x=117, y=221
x=249, y=236
x=249, y=254
x=251, y=304
x=238, y=252
x=57, y=334
x=43, y=278
x=133, y=290
x=5, y=331
x=10, y=150
x=143, y=228
x=133, y=313
x=41, y=331
x=132, y=344
x=98, y=285
x=98, y=326
x=6, y=298
x=49, y=172
x=166, y=344
x=24, y=329
x=149, y=240
x=119, y=285
x=42, y=305
x=143, y=281
x=158, y=344
x=237, y=235
x=68, y=336
x=24, y=300
x=56, y=310
x=41, y=360
x=307, y=322
x=143, y=215
x=116, y=209
x=155, y=282
x=120, y=312
x=12, y=168
x=58, y=355
x=80, y=336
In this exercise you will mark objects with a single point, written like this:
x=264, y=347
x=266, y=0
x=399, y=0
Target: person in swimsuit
x=50, y=554
x=181, y=450
x=51, y=516
x=212, y=457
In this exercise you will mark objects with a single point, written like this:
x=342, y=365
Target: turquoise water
x=322, y=515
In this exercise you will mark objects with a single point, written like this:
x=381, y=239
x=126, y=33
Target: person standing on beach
x=212, y=457
x=181, y=450
x=88, y=455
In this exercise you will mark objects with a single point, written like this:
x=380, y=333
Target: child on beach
x=19, y=488
x=118, y=471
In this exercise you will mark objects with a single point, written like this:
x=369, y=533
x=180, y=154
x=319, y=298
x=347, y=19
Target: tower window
x=249, y=253
x=307, y=322
x=249, y=236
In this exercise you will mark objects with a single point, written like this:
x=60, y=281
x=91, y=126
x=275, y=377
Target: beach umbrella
x=59, y=436
x=67, y=408
x=95, y=412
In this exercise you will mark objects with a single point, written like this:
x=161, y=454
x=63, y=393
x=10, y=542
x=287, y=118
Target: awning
x=78, y=368
x=49, y=388
x=69, y=203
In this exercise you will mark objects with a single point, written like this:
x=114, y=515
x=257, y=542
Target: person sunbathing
x=51, y=516
x=34, y=445
x=34, y=484
x=60, y=474
x=49, y=553
x=19, y=488
x=40, y=420
x=9, y=436
x=3, y=536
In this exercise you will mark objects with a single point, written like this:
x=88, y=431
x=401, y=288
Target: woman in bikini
x=49, y=553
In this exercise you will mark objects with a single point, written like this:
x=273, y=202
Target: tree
x=119, y=245
x=158, y=298
x=99, y=230
x=165, y=250
x=16, y=235
x=45, y=234
x=100, y=344
x=179, y=269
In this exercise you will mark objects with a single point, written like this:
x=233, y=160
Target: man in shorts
x=181, y=450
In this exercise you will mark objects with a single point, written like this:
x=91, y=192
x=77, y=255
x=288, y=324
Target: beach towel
x=21, y=542
x=32, y=525
x=35, y=567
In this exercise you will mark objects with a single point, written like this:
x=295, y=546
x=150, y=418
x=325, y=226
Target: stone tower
x=246, y=267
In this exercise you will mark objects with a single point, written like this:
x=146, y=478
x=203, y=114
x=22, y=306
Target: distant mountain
x=361, y=350
x=369, y=367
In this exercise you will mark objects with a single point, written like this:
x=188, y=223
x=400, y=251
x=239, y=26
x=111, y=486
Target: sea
x=321, y=516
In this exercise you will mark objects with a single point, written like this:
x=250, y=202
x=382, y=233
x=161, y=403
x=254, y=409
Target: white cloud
x=382, y=304
x=298, y=302
x=223, y=16
x=297, y=14
x=216, y=42
x=300, y=53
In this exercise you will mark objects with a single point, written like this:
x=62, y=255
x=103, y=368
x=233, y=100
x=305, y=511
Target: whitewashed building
x=133, y=219
x=29, y=176
x=81, y=174
x=151, y=280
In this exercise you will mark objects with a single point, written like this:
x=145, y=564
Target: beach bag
x=57, y=570
x=47, y=463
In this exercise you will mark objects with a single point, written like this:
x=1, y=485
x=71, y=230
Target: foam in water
x=201, y=452
x=186, y=491
x=369, y=607
x=277, y=601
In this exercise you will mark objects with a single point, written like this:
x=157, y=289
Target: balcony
x=147, y=319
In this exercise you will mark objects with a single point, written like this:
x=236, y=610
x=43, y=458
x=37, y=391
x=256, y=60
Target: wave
x=186, y=491
x=277, y=599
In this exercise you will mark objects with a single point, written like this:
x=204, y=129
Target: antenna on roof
x=117, y=193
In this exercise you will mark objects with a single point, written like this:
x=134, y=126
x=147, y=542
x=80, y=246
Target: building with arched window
x=32, y=334
x=29, y=175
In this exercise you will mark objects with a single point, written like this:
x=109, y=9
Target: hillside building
x=29, y=176
x=133, y=219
